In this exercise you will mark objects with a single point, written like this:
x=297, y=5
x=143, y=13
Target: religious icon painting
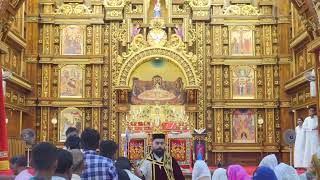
x=71, y=81
x=241, y=41
x=243, y=82
x=157, y=91
x=69, y=117
x=243, y=126
x=72, y=40
x=199, y=149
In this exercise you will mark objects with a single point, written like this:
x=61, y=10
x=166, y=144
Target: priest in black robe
x=159, y=165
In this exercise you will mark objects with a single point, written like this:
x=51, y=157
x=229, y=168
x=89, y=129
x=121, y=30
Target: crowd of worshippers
x=79, y=160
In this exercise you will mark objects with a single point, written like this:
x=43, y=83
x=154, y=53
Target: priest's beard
x=159, y=152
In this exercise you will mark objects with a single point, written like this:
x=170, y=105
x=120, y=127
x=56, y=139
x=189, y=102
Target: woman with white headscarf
x=286, y=172
x=201, y=171
x=269, y=161
x=220, y=174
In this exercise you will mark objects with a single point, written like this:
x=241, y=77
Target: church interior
x=223, y=78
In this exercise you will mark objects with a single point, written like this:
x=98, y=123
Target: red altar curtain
x=4, y=162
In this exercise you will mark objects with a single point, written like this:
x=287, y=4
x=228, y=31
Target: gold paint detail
x=114, y=3
x=218, y=121
x=199, y=3
x=270, y=126
x=113, y=132
x=73, y=9
x=241, y=10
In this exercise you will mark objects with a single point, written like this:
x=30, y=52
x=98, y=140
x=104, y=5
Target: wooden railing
x=16, y=147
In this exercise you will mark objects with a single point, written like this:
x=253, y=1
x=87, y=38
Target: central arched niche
x=135, y=60
x=168, y=70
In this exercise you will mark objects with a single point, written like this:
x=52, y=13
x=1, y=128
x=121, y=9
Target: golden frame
x=61, y=110
x=242, y=28
x=254, y=68
x=82, y=67
x=83, y=37
x=255, y=123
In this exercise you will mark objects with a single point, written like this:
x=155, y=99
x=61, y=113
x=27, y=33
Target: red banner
x=136, y=149
x=4, y=163
x=178, y=149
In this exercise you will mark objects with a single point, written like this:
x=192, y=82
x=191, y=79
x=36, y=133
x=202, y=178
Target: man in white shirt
x=299, y=145
x=310, y=126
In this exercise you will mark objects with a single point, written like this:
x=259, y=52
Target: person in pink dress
x=237, y=172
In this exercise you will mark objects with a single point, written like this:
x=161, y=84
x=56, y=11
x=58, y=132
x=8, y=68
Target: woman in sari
x=237, y=172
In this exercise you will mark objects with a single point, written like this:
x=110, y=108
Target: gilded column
x=46, y=71
x=45, y=111
x=208, y=86
x=217, y=83
x=96, y=118
x=114, y=51
x=270, y=135
x=96, y=81
x=106, y=82
x=201, y=63
x=47, y=39
x=267, y=40
x=97, y=39
x=269, y=93
x=217, y=40
x=218, y=126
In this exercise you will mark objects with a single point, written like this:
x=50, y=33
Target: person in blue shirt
x=97, y=167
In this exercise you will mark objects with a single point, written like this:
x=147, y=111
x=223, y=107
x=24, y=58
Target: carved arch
x=137, y=58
